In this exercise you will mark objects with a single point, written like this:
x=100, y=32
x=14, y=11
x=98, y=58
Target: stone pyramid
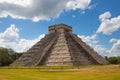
x=60, y=47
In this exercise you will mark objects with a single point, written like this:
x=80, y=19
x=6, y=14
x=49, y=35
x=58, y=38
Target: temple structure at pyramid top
x=60, y=47
x=60, y=27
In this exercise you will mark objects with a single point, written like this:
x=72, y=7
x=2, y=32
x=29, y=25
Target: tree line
x=113, y=59
x=7, y=56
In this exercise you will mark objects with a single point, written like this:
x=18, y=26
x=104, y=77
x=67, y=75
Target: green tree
x=16, y=55
x=112, y=60
x=5, y=58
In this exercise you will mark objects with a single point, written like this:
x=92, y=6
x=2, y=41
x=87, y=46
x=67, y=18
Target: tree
x=5, y=58
x=113, y=60
x=16, y=55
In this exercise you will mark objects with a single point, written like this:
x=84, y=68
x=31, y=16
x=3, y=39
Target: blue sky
x=96, y=22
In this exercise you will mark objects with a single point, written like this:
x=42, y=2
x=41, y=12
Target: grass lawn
x=96, y=72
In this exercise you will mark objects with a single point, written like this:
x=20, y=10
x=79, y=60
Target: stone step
x=61, y=54
x=59, y=57
x=59, y=64
x=59, y=61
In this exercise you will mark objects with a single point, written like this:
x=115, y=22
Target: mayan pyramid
x=60, y=47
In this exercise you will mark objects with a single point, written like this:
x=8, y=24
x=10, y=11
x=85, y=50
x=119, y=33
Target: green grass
x=106, y=72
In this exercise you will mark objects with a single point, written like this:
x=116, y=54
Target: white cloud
x=89, y=39
x=10, y=35
x=78, y=4
x=39, y=9
x=90, y=7
x=17, y=2
x=105, y=16
x=113, y=40
x=24, y=44
x=115, y=49
x=93, y=42
x=108, y=25
x=101, y=50
x=10, y=39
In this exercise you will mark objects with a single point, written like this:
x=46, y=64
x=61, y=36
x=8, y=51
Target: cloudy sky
x=96, y=22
